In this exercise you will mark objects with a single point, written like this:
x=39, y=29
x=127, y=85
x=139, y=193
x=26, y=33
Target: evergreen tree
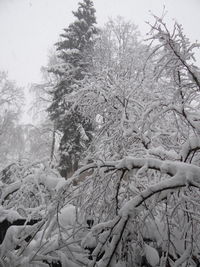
x=75, y=61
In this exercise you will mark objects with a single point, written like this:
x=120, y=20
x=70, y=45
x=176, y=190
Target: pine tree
x=75, y=61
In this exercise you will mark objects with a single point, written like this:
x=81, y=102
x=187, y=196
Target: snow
x=155, y=230
x=9, y=189
x=66, y=219
x=191, y=144
x=89, y=241
x=52, y=183
x=164, y=154
x=65, y=261
x=60, y=68
x=184, y=257
x=182, y=175
x=61, y=183
x=83, y=134
x=12, y=238
x=9, y=214
x=151, y=255
x=68, y=216
x=71, y=51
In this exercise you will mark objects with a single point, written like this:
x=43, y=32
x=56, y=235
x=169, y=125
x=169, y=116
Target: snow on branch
x=178, y=49
x=180, y=174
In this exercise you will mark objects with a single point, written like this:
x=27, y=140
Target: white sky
x=29, y=28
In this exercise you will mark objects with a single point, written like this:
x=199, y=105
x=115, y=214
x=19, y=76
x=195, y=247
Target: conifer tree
x=75, y=61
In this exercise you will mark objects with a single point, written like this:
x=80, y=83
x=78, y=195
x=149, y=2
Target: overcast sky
x=29, y=28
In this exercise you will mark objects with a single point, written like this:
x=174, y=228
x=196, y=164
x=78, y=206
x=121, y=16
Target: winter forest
x=108, y=175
